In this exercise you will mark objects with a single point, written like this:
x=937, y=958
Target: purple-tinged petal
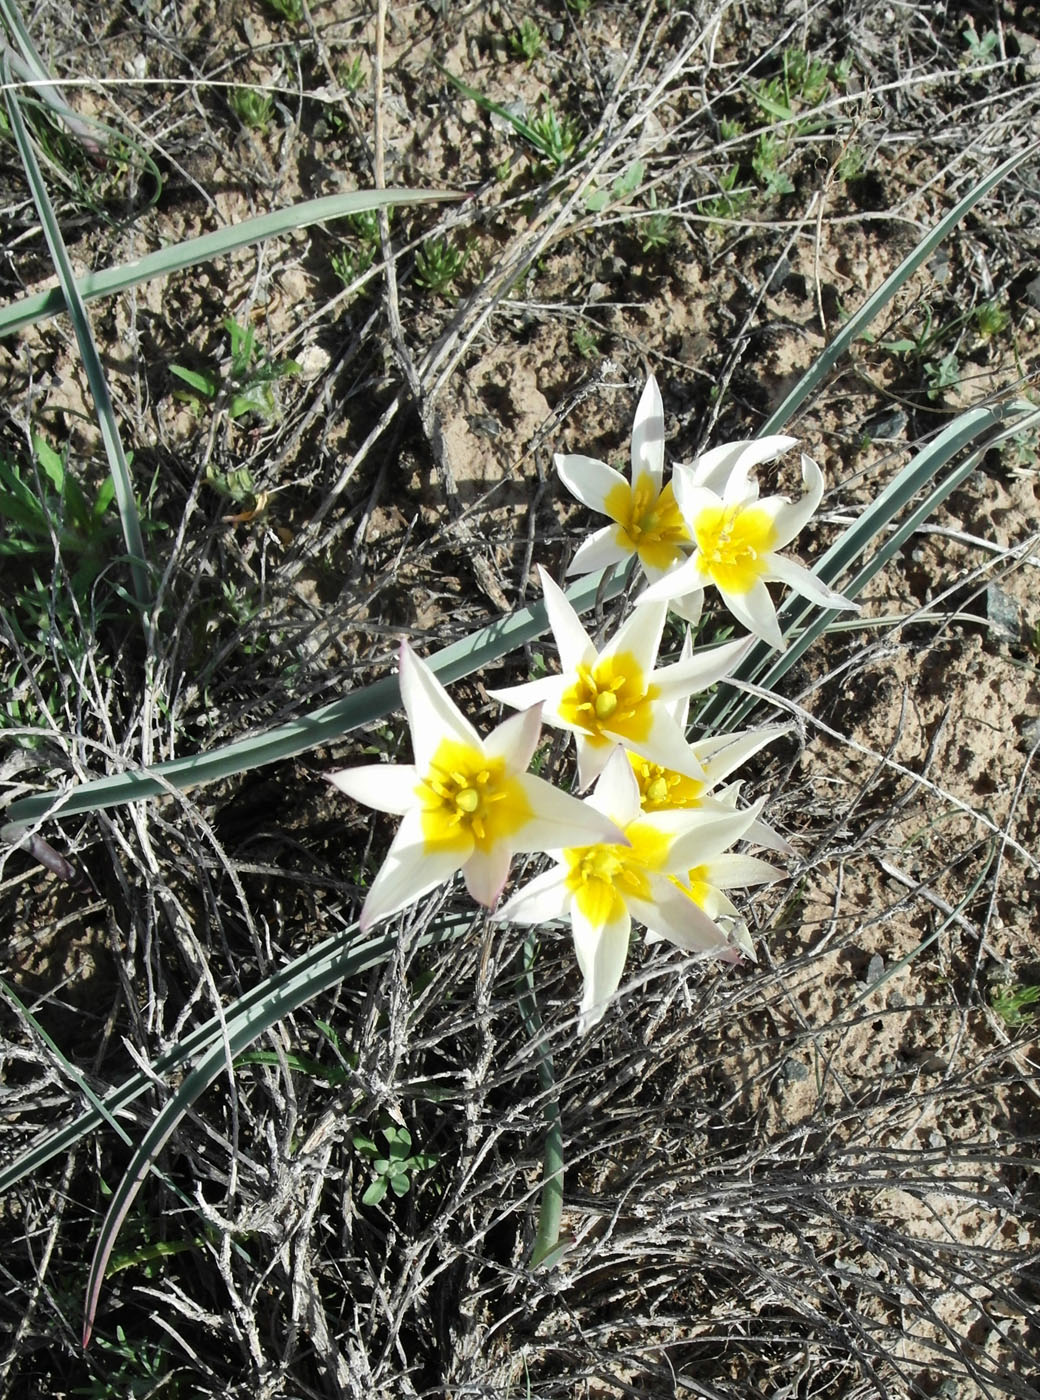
x=486, y=873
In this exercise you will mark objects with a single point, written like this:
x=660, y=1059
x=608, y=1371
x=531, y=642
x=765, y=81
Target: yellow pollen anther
x=657, y=791
x=468, y=799
x=606, y=704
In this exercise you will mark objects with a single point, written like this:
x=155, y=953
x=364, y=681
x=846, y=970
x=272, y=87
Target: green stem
x=548, y=1247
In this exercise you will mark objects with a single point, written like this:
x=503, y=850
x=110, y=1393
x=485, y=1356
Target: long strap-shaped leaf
x=857, y=324
x=118, y=465
x=42, y=305
x=277, y=997
x=320, y=727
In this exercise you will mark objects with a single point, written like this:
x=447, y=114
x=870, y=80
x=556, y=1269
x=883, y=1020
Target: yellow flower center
x=468, y=801
x=611, y=698
x=650, y=523
x=663, y=788
x=732, y=541
x=604, y=878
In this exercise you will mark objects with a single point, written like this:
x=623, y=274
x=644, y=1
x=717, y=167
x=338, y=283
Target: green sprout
x=351, y=76
x=248, y=384
x=395, y=1166
x=437, y=264
x=769, y=152
x=657, y=229
x=253, y=108
x=527, y=41
x=292, y=10
x=1015, y=1003
x=349, y=263
x=586, y=344
x=980, y=51
x=556, y=138
x=991, y=319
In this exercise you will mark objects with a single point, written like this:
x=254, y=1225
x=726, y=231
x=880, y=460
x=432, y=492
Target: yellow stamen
x=732, y=541
x=603, y=878
x=611, y=699
x=650, y=523
x=468, y=800
x=662, y=788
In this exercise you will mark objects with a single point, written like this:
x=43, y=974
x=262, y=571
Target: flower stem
x=548, y=1246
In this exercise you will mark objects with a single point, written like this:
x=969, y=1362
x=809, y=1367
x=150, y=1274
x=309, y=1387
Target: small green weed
x=351, y=75
x=579, y=8
x=555, y=138
x=770, y=150
x=942, y=374
x=586, y=344
x=980, y=51
x=64, y=514
x=253, y=108
x=291, y=10
x=527, y=41
x=350, y=262
x=1015, y=1003
x=991, y=320
x=247, y=386
x=394, y=1166
x=657, y=230
x=132, y=1369
x=438, y=263
x=625, y=185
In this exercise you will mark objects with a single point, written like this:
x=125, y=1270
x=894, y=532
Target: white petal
x=601, y=951
x=486, y=873
x=617, y=792
x=545, y=898
x=598, y=551
x=734, y=871
x=759, y=834
x=561, y=820
x=755, y=610
x=678, y=583
x=639, y=636
x=703, y=669
x=432, y=716
x=529, y=695
x=713, y=468
x=798, y=577
x=388, y=787
x=709, y=833
x=688, y=606
x=790, y=517
x=692, y=499
x=675, y=917
x=725, y=752
x=515, y=738
x=665, y=744
x=408, y=872
x=648, y=435
x=593, y=756
x=590, y=480
x=740, y=487
x=573, y=643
